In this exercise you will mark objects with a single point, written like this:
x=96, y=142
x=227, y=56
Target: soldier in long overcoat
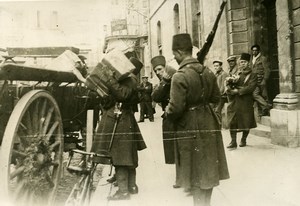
x=161, y=94
x=202, y=158
x=118, y=108
x=240, y=111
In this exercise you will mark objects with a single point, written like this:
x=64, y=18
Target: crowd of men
x=192, y=98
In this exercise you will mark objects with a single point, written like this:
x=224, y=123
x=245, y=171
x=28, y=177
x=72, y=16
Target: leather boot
x=243, y=142
x=132, y=186
x=232, y=144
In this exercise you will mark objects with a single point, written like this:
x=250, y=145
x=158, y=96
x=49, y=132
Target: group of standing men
x=251, y=75
x=192, y=135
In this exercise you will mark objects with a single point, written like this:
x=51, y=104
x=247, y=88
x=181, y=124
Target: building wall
x=195, y=17
x=54, y=23
x=296, y=41
x=219, y=49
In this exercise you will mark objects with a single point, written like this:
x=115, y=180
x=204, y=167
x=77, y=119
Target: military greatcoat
x=127, y=138
x=201, y=150
x=161, y=94
x=240, y=111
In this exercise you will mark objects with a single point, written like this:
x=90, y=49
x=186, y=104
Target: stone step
x=265, y=120
x=261, y=131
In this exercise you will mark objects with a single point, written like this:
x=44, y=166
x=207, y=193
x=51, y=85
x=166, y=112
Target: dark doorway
x=265, y=34
x=272, y=52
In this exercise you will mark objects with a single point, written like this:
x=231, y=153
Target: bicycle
x=82, y=190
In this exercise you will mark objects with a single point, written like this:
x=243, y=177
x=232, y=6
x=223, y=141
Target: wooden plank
x=26, y=73
x=39, y=51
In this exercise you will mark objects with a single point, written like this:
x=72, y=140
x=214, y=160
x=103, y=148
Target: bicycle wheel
x=78, y=195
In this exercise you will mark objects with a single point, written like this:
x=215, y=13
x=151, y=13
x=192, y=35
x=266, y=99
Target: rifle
x=208, y=42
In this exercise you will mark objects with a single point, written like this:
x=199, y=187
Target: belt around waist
x=197, y=107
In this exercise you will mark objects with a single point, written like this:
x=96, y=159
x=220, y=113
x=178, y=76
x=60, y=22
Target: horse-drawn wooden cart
x=42, y=113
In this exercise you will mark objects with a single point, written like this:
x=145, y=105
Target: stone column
x=285, y=115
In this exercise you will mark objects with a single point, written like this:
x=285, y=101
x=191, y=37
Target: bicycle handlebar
x=92, y=154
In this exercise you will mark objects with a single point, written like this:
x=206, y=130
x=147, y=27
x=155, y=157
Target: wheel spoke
x=47, y=120
x=19, y=154
x=21, y=138
x=54, y=145
x=17, y=172
x=51, y=131
x=28, y=123
x=35, y=117
x=42, y=116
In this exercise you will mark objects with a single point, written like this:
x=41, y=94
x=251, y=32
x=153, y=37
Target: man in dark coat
x=145, y=90
x=240, y=106
x=201, y=152
x=161, y=94
x=118, y=108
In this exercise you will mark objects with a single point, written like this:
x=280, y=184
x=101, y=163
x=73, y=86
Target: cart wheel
x=32, y=150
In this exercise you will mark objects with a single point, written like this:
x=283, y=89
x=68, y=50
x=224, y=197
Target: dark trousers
x=261, y=101
x=202, y=197
x=244, y=136
x=126, y=177
x=146, y=108
x=218, y=108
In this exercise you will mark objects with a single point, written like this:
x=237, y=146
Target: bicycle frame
x=82, y=190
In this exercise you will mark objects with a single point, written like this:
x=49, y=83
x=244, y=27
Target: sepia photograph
x=150, y=102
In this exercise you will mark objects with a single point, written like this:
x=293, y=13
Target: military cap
x=231, y=58
x=158, y=60
x=245, y=56
x=218, y=61
x=182, y=42
x=137, y=64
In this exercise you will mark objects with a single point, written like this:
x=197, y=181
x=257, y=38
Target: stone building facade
x=273, y=24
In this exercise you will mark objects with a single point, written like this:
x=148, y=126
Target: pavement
x=261, y=174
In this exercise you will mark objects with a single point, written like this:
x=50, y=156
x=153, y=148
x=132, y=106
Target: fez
x=217, y=61
x=231, y=58
x=245, y=56
x=137, y=64
x=182, y=42
x=158, y=60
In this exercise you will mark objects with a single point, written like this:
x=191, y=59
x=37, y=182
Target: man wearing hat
x=240, y=106
x=145, y=90
x=161, y=94
x=198, y=136
x=123, y=142
x=233, y=68
x=221, y=77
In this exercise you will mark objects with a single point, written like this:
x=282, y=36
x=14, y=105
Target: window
x=176, y=19
x=159, y=43
x=54, y=19
x=38, y=19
